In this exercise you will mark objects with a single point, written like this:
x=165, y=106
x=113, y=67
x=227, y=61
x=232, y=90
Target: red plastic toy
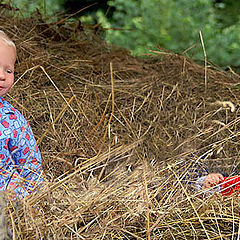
x=230, y=185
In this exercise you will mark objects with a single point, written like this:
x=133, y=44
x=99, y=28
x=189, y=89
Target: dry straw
x=120, y=138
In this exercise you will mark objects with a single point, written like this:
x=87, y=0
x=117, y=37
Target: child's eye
x=9, y=71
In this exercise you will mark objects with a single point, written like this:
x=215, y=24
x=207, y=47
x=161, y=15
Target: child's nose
x=2, y=75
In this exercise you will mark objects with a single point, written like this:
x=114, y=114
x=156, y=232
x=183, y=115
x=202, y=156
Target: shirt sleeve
x=199, y=183
x=26, y=172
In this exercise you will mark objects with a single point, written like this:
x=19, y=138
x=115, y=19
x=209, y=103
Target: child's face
x=7, y=61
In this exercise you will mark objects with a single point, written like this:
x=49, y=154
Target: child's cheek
x=12, y=80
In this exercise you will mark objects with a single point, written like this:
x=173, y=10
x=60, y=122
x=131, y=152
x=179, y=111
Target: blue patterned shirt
x=20, y=158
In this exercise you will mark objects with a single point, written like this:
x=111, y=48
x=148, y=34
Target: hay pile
x=112, y=130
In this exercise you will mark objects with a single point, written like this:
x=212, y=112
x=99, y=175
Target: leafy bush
x=46, y=7
x=175, y=25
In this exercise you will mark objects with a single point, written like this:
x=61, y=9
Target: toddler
x=20, y=159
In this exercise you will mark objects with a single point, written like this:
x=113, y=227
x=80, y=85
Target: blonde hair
x=4, y=37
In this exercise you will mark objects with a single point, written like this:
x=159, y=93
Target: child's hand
x=212, y=179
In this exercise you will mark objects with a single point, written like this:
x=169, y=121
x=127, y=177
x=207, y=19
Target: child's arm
x=27, y=160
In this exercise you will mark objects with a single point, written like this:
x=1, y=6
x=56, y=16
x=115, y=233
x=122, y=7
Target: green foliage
x=175, y=25
x=27, y=7
x=228, y=12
